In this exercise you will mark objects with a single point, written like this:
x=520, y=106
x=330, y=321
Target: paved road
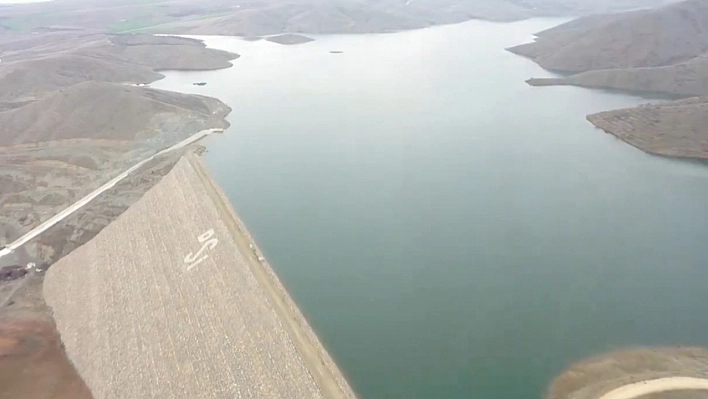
x=85, y=200
x=647, y=387
x=174, y=300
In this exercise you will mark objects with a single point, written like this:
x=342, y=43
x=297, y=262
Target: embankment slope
x=144, y=311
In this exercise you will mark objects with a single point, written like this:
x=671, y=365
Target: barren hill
x=106, y=111
x=269, y=17
x=678, y=129
x=57, y=61
x=648, y=38
x=664, y=50
x=685, y=79
x=160, y=53
x=26, y=80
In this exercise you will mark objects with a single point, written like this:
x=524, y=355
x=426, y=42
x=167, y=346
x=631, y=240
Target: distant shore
x=663, y=129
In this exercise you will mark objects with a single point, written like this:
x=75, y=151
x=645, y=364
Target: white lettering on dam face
x=209, y=242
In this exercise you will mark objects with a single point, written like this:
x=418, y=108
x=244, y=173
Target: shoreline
x=648, y=387
x=604, y=126
x=320, y=364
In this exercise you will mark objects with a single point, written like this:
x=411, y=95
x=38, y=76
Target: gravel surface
x=171, y=301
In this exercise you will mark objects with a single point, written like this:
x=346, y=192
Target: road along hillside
x=174, y=299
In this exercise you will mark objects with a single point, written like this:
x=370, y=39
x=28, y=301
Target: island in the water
x=289, y=39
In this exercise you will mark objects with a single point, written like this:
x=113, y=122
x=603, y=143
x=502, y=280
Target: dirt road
x=655, y=386
x=89, y=197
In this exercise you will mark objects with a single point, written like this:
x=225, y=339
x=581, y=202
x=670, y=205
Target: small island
x=289, y=39
x=336, y=52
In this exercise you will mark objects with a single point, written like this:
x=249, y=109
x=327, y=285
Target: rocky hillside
x=69, y=121
x=688, y=78
x=677, y=129
x=660, y=51
x=93, y=110
x=650, y=38
x=31, y=68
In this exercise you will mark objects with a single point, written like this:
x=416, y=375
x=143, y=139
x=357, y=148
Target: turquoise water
x=450, y=231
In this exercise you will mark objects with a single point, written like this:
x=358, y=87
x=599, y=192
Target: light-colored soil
x=659, y=385
x=146, y=320
x=595, y=377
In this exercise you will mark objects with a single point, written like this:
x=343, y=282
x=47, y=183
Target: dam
x=174, y=299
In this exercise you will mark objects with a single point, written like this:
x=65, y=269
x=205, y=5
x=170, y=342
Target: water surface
x=450, y=231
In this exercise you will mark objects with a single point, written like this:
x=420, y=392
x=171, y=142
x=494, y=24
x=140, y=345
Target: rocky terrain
x=662, y=51
x=676, y=129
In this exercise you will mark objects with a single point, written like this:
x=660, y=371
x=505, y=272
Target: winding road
x=88, y=198
x=646, y=387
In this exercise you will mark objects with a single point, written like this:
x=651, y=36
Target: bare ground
x=676, y=129
x=591, y=378
x=145, y=320
x=33, y=363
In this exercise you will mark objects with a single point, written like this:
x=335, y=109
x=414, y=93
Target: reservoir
x=449, y=231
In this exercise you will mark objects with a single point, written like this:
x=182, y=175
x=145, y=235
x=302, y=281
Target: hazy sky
x=21, y=1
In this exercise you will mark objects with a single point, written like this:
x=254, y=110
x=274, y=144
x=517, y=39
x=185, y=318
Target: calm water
x=450, y=231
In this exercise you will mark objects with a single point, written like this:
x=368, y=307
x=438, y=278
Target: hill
x=660, y=51
x=106, y=111
x=647, y=38
x=100, y=58
x=28, y=80
x=270, y=17
x=159, y=52
x=684, y=79
x=676, y=129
